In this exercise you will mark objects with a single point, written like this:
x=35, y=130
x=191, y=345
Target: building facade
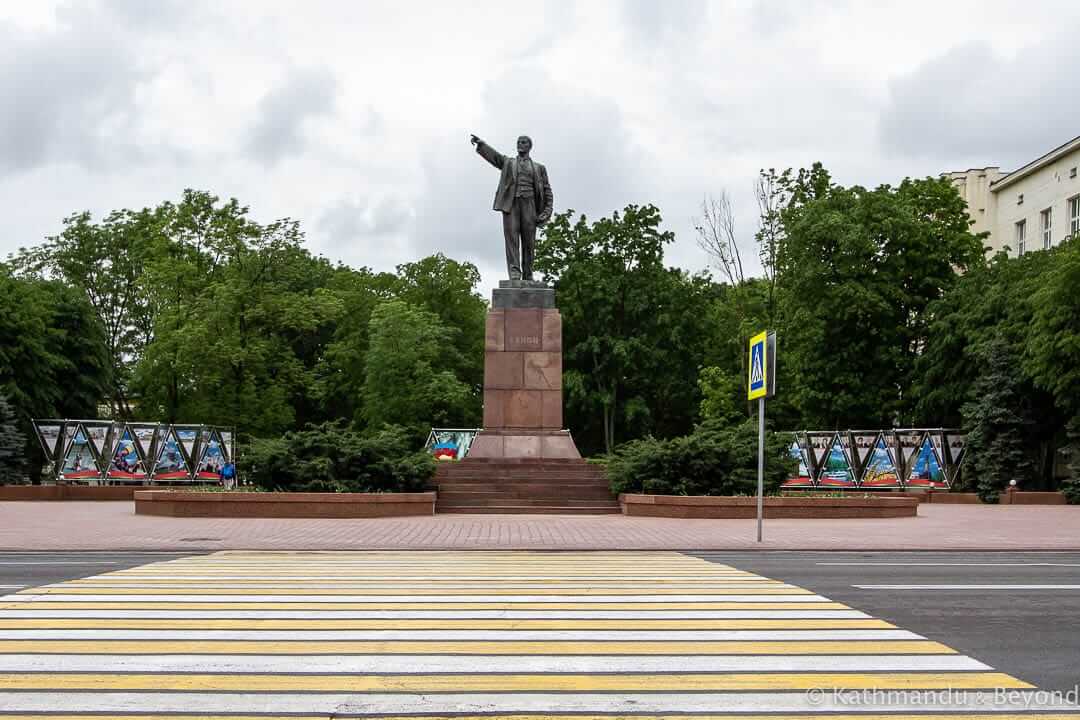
x=1032, y=208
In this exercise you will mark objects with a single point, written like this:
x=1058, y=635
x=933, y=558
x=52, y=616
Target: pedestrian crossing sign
x=758, y=386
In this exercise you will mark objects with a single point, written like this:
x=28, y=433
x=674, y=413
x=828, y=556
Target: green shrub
x=328, y=458
x=715, y=459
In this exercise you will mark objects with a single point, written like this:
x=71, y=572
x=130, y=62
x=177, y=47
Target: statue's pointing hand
x=475, y=140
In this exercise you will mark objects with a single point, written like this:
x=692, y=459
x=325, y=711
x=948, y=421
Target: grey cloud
x=973, y=107
x=649, y=20
x=352, y=219
x=69, y=94
x=581, y=138
x=279, y=130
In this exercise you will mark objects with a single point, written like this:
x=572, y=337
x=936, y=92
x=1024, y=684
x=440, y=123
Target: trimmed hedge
x=328, y=458
x=716, y=459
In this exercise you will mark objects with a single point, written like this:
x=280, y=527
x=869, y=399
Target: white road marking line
x=455, y=635
x=12, y=586
x=967, y=587
x=444, y=614
x=421, y=664
x=540, y=703
x=950, y=564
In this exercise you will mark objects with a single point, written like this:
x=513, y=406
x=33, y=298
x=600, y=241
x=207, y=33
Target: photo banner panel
x=817, y=450
x=926, y=469
x=802, y=477
x=171, y=464
x=188, y=437
x=836, y=471
x=910, y=442
x=881, y=469
x=212, y=458
x=955, y=442
x=127, y=460
x=79, y=460
x=48, y=434
x=863, y=443
x=448, y=444
x=227, y=444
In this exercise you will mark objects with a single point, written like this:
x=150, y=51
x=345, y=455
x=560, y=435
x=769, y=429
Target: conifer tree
x=12, y=446
x=997, y=422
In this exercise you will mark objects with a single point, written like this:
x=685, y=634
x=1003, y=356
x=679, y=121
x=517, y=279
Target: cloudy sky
x=354, y=116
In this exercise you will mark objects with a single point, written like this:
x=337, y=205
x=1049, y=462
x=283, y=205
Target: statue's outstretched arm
x=487, y=152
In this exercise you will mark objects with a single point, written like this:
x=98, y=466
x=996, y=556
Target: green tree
x=633, y=330
x=106, y=261
x=856, y=272
x=998, y=424
x=54, y=360
x=407, y=382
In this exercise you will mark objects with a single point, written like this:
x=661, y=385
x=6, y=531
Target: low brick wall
x=1009, y=497
x=46, y=493
x=676, y=506
x=1023, y=497
x=282, y=505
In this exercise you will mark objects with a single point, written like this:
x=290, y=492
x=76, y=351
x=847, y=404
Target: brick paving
x=114, y=526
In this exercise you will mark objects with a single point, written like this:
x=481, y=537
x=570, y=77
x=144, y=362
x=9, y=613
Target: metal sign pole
x=761, y=467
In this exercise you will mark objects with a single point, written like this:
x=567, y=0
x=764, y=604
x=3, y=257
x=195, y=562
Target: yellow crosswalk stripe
x=441, y=634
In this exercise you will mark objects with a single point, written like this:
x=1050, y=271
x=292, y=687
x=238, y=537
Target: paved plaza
x=114, y=526
x=245, y=634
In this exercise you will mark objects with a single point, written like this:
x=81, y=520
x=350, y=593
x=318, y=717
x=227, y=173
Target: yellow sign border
x=761, y=338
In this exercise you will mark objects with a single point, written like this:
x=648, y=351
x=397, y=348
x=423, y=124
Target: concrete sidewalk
x=114, y=526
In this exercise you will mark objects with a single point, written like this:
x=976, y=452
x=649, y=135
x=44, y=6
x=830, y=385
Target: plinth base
x=517, y=444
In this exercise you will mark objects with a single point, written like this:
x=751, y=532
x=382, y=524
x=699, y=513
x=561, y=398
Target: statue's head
x=524, y=144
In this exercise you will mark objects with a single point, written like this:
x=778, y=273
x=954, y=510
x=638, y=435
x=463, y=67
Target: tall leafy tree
x=407, y=381
x=632, y=328
x=856, y=272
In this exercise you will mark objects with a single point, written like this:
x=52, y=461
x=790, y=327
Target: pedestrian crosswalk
x=522, y=635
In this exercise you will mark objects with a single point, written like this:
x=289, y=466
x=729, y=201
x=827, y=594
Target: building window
x=1021, y=234
x=1074, y=215
x=1047, y=218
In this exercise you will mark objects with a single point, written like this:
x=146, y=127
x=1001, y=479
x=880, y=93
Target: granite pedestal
x=523, y=376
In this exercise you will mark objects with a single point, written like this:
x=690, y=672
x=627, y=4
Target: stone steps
x=516, y=486
x=528, y=509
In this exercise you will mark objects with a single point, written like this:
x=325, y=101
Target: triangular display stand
x=817, y=451
x=802, y=477
x=126, y=459
x=955, y=443
x=49, y=434
x=909, y=443
x=171, y=463
x=862, y=445
x=212, y=457
x=836, y=470
x=188, y=437
x=926, y=471
x=880, y=470
x=80, y=462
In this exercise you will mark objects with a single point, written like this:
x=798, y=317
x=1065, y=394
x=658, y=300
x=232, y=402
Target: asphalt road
x=21, y=570
x=1031, y=633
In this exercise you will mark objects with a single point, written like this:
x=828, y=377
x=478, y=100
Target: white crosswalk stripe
x=577, y=635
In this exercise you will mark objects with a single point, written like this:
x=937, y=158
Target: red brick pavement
x=114, y=526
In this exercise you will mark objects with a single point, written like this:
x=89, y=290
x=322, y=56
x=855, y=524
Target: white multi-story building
x=1032, y=208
